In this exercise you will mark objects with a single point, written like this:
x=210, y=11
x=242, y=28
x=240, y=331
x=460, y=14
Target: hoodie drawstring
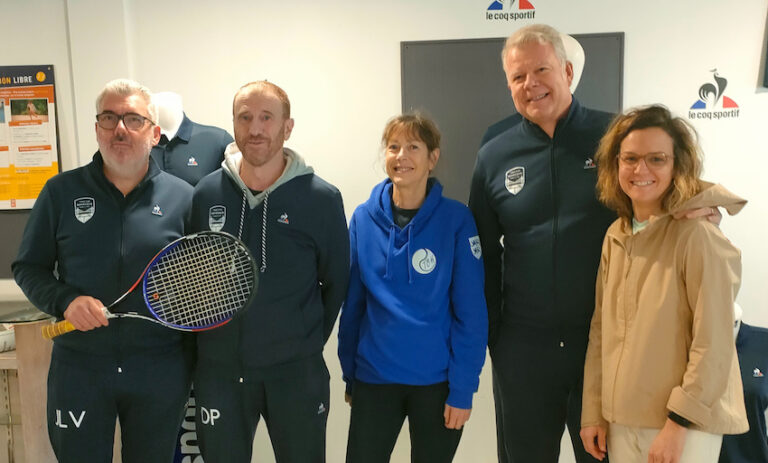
x=263, y=267
x=242, y=219
x=408, y=253
x=390, y=249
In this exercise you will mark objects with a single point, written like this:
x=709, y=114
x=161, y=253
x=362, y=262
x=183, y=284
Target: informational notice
x=29, y=152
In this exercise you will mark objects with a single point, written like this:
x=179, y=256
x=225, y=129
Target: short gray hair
x=535, y=33
x=126, y=88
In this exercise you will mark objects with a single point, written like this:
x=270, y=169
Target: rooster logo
x=711, y=93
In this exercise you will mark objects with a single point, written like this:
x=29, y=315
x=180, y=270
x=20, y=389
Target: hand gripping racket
x=198, y=282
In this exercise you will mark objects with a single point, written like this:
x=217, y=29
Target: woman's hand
x=668, y=445
x=456, y=417
x=594, y=438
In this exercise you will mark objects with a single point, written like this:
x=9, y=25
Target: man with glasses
x=90, y=234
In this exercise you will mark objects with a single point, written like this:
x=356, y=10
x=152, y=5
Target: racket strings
x=201, y=282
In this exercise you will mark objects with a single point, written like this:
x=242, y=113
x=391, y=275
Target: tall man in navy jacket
x=269, y=362
x=89, y=236
x=534, y=186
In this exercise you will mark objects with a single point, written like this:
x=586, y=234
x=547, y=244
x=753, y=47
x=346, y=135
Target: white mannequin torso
x=170, y=112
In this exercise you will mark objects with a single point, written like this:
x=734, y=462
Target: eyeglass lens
x=652, y=160
x=109, y=121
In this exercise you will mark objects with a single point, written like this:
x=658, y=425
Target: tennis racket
x=198, y=282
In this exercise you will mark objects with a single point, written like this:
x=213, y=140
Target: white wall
x=339, y=62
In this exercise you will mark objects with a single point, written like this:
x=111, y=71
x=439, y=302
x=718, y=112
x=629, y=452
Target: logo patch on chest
x=217, y=217
x=514, y=179
x=424, y=261
x=756, y=373
x=84, y=209
x=192, y=162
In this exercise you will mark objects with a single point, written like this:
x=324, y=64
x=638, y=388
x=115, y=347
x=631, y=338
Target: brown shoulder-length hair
x=687, y=158
x=415, y=125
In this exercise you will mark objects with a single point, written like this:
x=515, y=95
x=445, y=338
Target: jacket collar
x=574, y=110
x=96, y=169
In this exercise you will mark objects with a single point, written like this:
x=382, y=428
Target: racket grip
x=57, y=329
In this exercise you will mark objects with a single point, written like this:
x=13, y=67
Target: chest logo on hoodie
x=424, y=261
x=217, y=216
x=84, y=209
x=514, y=179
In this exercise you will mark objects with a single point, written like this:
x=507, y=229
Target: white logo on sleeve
x=474, y=245
x=84, y=209
x=514, y=179
x=424, y=261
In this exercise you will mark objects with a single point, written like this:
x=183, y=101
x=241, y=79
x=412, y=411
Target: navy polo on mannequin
x=194, y=152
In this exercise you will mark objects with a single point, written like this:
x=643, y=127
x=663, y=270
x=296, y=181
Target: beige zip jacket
x=661, y=337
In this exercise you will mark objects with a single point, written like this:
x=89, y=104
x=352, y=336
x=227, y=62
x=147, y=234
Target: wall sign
x=29, y=152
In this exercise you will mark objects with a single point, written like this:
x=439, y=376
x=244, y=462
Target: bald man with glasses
x=90, y=234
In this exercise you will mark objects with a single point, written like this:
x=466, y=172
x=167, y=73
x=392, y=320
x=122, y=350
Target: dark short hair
x=687, y=158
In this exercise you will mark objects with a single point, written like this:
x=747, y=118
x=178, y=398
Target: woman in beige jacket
x=661, y=379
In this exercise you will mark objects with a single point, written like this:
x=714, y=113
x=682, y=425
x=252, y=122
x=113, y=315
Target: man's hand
x=667, y=447
x=594, y=438
x=456, y=417
x=712, y=214
x=348, y=398
x=86, y=313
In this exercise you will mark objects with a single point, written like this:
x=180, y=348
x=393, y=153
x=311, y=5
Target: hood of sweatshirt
x=294, y=167
x=379, y=207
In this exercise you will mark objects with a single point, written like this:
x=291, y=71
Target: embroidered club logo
x=84, y=209
x=756, y=373
x=217, y=216
x=589, y=164
x=474, y=246
x=284, y=218
x=192, y=162
x=424, y=261
x=514, y=179
x=157, y=211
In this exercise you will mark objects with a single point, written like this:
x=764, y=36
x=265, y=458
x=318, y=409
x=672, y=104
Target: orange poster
x=29, y=153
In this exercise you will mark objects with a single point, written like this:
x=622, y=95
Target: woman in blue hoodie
x=414, y=326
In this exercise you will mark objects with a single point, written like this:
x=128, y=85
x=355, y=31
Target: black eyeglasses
x=132, y=121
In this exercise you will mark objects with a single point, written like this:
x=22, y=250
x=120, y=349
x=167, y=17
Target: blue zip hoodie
x=415, y=311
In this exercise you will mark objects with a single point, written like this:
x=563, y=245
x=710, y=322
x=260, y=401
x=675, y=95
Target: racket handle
x=57, y=329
